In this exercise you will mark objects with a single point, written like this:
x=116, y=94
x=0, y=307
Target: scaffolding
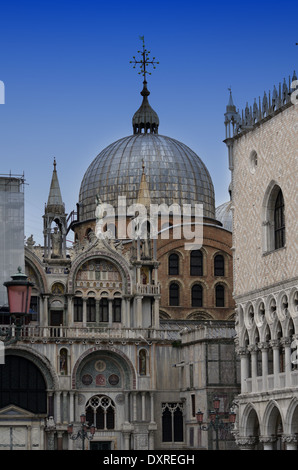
x=11, y=229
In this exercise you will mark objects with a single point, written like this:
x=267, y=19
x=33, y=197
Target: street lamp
x=19, y=296
x=215, y=421
x=85, y=432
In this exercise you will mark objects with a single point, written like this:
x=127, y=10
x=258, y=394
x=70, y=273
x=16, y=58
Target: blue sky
x=70, y=90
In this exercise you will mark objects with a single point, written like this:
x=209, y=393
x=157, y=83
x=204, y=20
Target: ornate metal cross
x=145, y=60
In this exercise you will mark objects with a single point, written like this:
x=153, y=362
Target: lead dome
x=174, y=172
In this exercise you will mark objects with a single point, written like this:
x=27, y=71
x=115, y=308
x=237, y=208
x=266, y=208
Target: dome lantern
x=145, y=120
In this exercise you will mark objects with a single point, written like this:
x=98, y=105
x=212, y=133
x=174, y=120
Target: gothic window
x=196, y=263
x=104, y=310
x=174, y=294
x=100, y=411
x=117, y=310
x=172, y=422
x=22, y=384
x=197, y=295
x=279, y=221
x=274, y=225
x=219, y=265
x=78, y=309
x=173, y=264
x=91, y=310
x=219, y=295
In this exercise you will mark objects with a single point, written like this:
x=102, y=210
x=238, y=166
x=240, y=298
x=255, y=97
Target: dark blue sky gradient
x=70, y=90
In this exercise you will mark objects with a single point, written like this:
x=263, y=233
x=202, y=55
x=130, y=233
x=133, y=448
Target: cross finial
x=145, y=61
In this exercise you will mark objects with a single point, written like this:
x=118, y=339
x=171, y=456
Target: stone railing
x=48, y=333
x=147, y=289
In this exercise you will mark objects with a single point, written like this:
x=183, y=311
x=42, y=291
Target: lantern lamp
x=19, y=294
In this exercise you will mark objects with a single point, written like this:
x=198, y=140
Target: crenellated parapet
x=237, y=123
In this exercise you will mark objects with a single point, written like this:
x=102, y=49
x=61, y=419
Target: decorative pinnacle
x=144, y=62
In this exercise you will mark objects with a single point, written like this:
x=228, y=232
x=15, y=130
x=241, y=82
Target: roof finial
x=54, y=164
x=145, y=119
x=144, y=62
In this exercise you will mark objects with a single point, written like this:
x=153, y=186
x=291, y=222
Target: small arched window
x=219, y=265
x=197, y=296
x=196, y=263
x=219, y=295
x=279, y=221
x=173, y=265
x=174, y=294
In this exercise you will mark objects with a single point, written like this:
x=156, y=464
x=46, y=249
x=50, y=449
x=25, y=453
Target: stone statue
x=99, y=208
x=56, y=243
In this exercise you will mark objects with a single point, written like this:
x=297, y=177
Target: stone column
x=58, y=407
x=275, y=346
x=59, y=440
x=134, y=406
x=110, y=302
x=45, y=312
x=156, y=311
x=71, y=406
x=286, y=342
x=152, y=407
x=253, y=353
x=139, y=311
x=69, y=320
x=126, y=407
x=84, y=311
x=143, y=406
x=264, y=349
x=243, y=353
x=64, y=408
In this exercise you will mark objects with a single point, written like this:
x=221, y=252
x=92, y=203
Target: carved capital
x=247, y=443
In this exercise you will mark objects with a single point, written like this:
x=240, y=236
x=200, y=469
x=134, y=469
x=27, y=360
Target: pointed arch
x=273, y=218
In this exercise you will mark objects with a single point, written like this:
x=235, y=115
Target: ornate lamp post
x=19, y=297
x=85, y=432
x=216, y=422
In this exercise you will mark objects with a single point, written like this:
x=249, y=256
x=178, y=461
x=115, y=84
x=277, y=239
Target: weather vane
x=145, y=61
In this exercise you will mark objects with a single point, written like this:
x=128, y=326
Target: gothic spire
x=55, y=203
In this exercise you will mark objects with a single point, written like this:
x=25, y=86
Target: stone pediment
x=14, y=412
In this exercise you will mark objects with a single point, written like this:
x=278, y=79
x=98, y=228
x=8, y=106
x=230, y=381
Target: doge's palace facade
x=262, y=147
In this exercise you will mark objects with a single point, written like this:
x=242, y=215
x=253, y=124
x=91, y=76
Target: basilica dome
x=174, y=173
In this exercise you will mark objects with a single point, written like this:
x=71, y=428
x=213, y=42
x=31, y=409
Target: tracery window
x=172, y=422
x=100, y=411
